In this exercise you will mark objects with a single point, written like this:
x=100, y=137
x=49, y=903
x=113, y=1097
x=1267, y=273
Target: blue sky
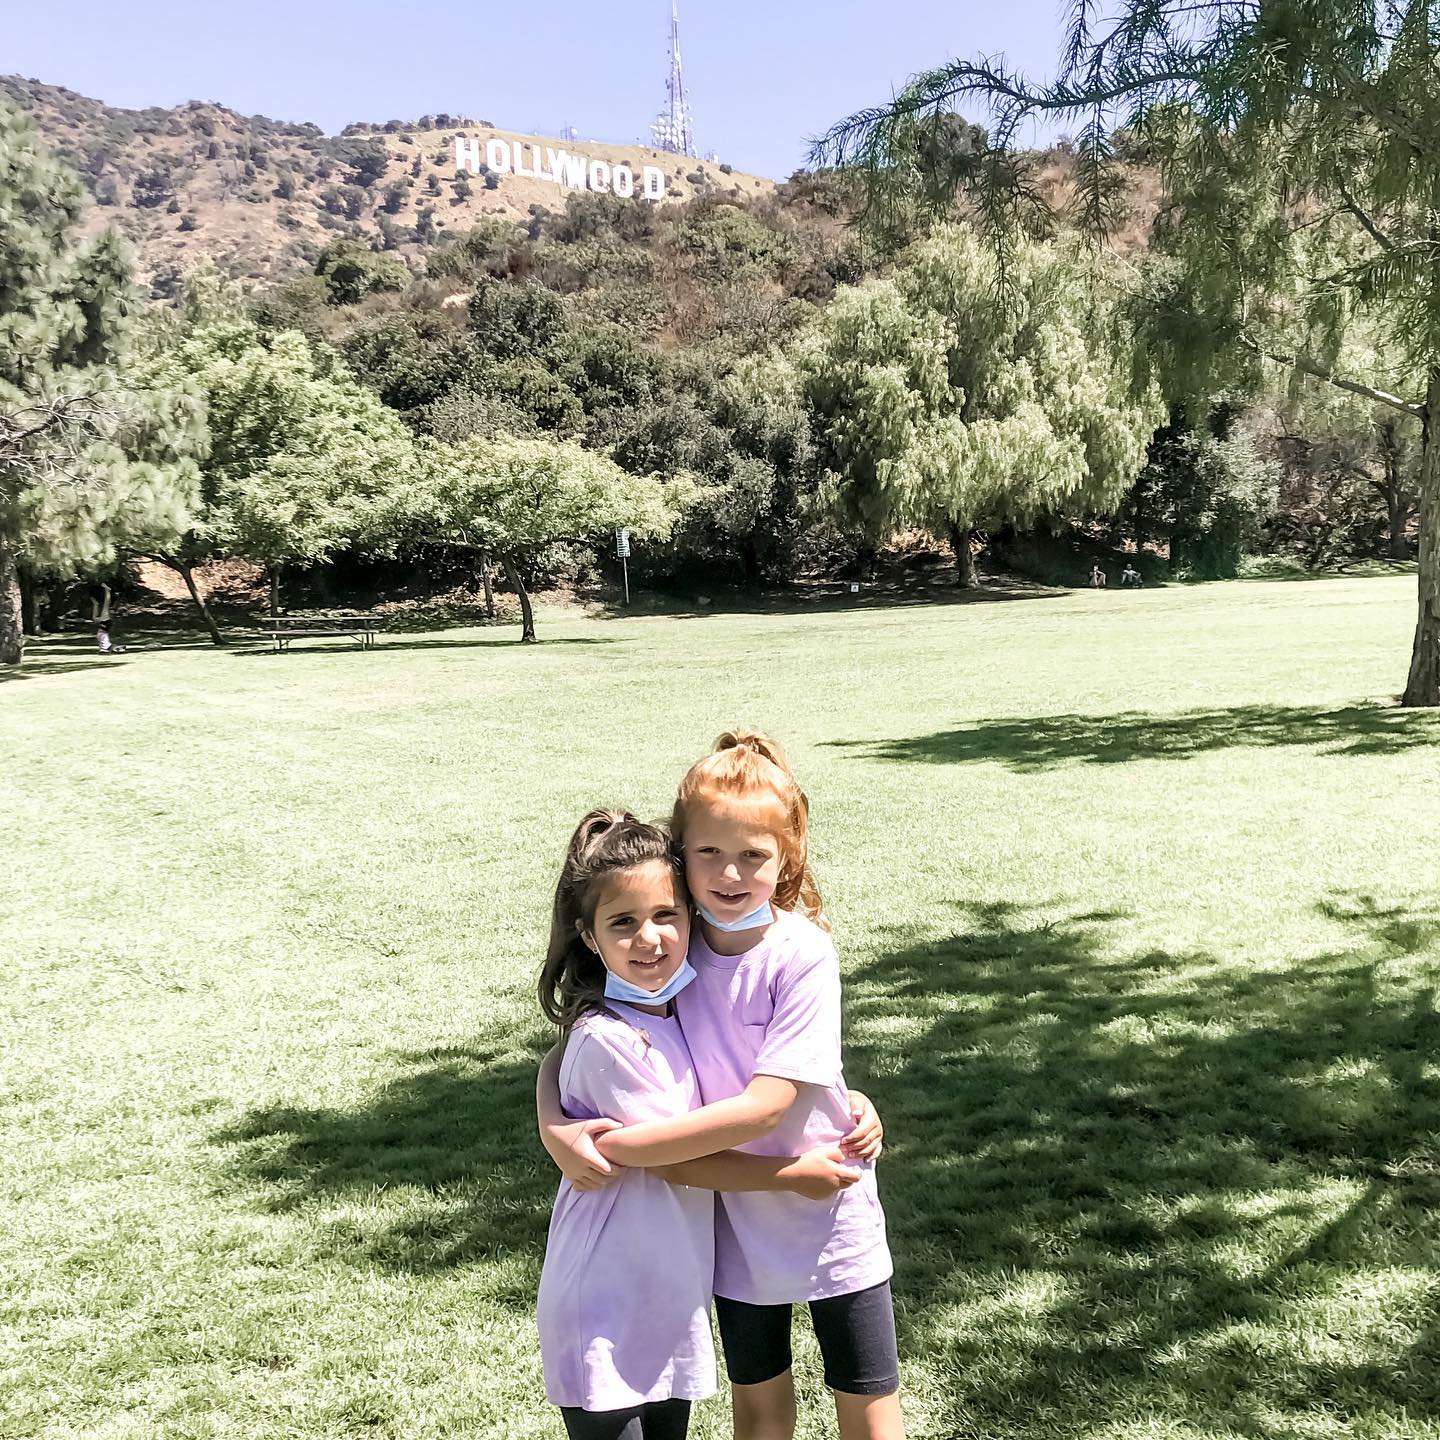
x=762, y=77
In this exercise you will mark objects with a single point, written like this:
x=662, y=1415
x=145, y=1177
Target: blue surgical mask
x=628, y=994
x=762, y=914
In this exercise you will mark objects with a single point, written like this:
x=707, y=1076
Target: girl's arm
x=751, y=1115
x=570, y=1143
x=817, y=1174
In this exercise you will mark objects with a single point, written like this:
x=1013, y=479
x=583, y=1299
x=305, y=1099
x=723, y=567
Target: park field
x=1138, y=900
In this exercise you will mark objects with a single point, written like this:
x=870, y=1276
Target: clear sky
x=763, y=77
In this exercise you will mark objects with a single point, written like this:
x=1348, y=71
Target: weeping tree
x=1266, y=118
x=935, y=403
x=93, y=459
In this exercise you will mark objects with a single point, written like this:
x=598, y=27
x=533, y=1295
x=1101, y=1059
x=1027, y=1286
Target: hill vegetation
x=260, y=198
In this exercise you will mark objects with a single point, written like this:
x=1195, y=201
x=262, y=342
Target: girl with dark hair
x=624, y=1304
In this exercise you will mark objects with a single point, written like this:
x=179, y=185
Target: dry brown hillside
x=261, y=197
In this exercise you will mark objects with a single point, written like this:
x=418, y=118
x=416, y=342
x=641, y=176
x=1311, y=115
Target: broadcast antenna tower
x=674, y=129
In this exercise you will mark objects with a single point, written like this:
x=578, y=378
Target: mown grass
x=1139, y=902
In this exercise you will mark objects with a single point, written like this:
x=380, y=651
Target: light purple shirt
x=624, y=1306
x=775, y=1010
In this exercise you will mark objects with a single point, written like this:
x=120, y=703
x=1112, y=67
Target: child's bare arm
x=817, y=1174
x=570, y=1143
x=751, y=1115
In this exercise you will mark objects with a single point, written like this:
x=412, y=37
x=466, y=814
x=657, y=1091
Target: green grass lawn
x=1138, y=897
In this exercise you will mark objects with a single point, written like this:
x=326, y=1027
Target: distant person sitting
x=1097, y=577
x=1130, y=575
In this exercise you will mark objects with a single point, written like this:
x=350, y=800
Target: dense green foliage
x=936, y=404
x=512, y=496
x=1206, y=491
x=1280, y=131
x=298, y=457
x=92, y=458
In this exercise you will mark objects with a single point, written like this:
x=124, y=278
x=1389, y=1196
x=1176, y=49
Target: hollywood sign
x=559, y=167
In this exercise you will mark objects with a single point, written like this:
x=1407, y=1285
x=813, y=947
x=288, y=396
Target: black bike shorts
x=856, y=1334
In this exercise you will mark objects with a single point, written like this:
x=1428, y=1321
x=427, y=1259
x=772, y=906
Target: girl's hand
x=819, y=1174
x=572, y=1147
x=866, y=1140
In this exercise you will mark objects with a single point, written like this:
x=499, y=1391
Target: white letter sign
x=559, y=167
x=467, y=154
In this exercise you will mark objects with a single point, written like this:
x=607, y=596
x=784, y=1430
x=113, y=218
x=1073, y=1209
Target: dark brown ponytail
x=572, y=979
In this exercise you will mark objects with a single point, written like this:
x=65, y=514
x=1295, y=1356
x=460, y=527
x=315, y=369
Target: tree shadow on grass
x=385, y=643
x=45, y=663
x=449, y=1142
x=825, y=597
x=1148, y=1190
x=1161, y=1187
x=1038, y=743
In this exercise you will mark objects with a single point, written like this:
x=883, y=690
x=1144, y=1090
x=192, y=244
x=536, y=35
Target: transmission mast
x=674, y=129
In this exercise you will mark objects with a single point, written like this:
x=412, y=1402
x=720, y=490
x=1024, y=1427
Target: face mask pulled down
x=628, y=994
x=762, y=914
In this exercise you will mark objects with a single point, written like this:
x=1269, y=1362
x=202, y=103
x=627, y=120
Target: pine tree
x=92, y=460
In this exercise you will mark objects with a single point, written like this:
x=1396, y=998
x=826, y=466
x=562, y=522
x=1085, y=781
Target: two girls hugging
x=697, y=991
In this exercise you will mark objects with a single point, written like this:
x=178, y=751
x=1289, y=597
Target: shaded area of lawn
x=1150, y=1186
x=824, y=596
x=397, y=643
x=41, y=661
x=1158, y=1186
x=451, y=1139
x=1042, y=742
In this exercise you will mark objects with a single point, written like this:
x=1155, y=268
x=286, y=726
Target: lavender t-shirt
x=775, y=1010
x=624, y=1307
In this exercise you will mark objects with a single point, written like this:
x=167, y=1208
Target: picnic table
x=282, y=629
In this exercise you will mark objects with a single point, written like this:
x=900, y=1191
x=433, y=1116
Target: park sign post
x=559, y=167
x=622, y=553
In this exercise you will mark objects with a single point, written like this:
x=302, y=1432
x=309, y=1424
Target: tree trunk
x=12, y=631
x=1423, y=686
x=187, y=571
x=1397, y=508
x=273, y=573
x=1392, y=489
x=485, y=581
x=1177, y=549
x=966, y=575
x=29, y=604
x=527, y=615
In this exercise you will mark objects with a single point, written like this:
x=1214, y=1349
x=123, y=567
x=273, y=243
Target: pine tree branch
x=1370, y=227
x=1307, y=366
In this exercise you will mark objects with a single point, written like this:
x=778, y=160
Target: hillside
x=261, y=197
